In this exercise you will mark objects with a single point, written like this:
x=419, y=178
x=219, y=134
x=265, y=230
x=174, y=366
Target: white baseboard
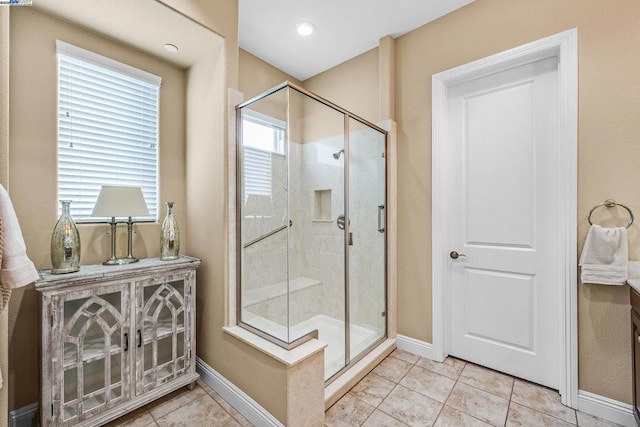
x=27, y=416
x=415, y=346
x=242, y=403
x=605, y=408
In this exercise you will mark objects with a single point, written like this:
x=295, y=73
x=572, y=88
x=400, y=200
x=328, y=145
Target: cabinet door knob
x=639, y=339
x=126, y=341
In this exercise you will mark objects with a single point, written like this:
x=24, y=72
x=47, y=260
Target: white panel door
x=503, y=171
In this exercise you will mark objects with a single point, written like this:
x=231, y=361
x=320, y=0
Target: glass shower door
x=317, y=262
x=367, y=239
x=311, y=214
x=264, y=218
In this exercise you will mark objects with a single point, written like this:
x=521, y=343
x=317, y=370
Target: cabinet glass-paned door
x=635, y=326
x=93, y=354
x=163, y=351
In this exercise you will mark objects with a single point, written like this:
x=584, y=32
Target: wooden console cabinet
x=635, y=348
x=114, y=338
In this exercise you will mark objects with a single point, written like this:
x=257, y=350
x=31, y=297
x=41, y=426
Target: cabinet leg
x=191, y=385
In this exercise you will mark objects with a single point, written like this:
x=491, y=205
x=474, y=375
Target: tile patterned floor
x=403, y=390
x=199, y=407
x=406, y=389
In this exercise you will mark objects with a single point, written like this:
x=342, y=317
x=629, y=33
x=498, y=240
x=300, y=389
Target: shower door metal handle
x=380, y=225
x=269, y=234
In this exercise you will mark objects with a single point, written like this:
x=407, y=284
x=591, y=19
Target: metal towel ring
x=611, y=203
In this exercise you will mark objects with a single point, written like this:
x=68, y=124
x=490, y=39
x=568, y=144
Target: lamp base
x=120, y=261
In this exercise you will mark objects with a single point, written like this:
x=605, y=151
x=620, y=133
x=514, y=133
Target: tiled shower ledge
x=287, y=357
x=266, y=293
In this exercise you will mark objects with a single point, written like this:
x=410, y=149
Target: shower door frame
x=348, y=362
x=239, y=180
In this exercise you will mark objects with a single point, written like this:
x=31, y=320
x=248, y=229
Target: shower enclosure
x=311, y=224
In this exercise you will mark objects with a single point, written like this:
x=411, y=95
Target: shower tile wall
x=265, y=263
x=316, y=245
x=322, y=245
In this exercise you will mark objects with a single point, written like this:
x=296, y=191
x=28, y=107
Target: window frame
x=124, y=71
x=279, y=144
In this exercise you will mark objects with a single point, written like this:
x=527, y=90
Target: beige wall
x=4, y=180
x=220, y=16
x=260, y=376
x=609, y=123
x=609, y=152
x=193, y=172
x=33, y=168
x=256, y=374
x=353, y=85
x=256, y=76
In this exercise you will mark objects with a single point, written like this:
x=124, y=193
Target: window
x=107, y=129
x=262, y=137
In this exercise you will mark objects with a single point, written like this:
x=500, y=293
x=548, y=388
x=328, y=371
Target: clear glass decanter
x=65, y=243
x=170, y=239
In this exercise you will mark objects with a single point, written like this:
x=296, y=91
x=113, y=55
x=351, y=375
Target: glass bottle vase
x=170, y=239
x=65, y=243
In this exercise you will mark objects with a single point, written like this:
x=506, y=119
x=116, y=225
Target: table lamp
x=116, y=201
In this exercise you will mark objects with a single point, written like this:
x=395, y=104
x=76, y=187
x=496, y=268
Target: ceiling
x=122, y=20
x=344, y=29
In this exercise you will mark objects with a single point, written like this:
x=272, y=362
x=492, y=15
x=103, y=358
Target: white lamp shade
x=117, y=201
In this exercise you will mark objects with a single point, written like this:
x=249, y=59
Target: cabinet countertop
x=634, y=283
x=48, y=280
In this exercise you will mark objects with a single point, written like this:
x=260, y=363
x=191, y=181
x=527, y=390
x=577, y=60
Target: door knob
x=456, y=255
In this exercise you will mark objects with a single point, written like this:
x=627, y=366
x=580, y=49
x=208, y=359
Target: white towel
x=16, y=269
x=605, y=256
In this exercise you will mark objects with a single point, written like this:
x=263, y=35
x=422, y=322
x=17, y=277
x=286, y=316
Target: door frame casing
x=564, y=46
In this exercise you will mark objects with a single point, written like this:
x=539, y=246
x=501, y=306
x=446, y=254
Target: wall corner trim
x=417, y=347
x=27, y=416
x=605, y=408
x=237, y=398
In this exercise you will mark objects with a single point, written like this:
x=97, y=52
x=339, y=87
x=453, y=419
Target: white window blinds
x=257, y=172
x=107, y=129
x=262, y=138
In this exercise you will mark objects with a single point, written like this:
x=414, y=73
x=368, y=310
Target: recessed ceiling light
x=305, y=28
x=171, y=47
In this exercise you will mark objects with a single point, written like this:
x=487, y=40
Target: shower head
x=337, y=155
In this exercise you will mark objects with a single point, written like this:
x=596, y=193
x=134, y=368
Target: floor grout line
x=456, y=381
x=396, y=384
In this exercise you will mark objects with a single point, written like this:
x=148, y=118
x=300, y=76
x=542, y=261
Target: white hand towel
x=605, y=256
x=16, y=269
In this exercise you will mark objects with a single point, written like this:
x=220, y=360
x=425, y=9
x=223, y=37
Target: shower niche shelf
x=322, y=205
